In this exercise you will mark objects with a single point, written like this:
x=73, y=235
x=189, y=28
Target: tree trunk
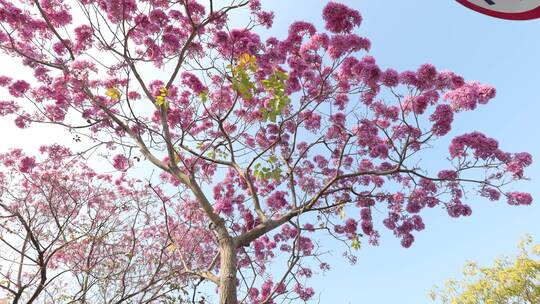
x=227, y=272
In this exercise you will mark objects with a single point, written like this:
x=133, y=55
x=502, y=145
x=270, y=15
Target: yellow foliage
x=113, y=93
x=247, y=61
x=171, y=248
x=274, y=86
x=355, y=244
x=161, y=99
x=508, y=281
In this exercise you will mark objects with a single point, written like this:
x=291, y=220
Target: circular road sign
x=505, y=9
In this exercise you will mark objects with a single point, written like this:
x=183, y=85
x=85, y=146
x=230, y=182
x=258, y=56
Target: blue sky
x=405, y=34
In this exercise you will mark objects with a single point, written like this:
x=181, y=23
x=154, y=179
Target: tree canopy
x=260, y=146
x=508, y=281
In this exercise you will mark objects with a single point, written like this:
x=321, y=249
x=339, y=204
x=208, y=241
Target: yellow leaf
x=113, y=93
x=163, y=92
x=160, y=100
x=171, y=248
x=244, y=59
x=355, y=244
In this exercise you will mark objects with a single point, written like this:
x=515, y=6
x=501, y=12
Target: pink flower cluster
x=467, y=96
x=83, y=37
x=118, y=10
x=344, y=44
x=120, y=162
x=8, y=107
x=26, y=164
x=277, y=201
x=237, y=42
x=482, y=146
x=18, y=88
x=339, y=18
x=442, y=119
x=193, y=82
x=519, y=198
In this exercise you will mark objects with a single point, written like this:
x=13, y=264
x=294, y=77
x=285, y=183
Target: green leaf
x=356, y=244
x=281, y=75
x=204, y=96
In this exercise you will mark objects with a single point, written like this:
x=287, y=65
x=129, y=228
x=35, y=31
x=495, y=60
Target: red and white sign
x=506, y=9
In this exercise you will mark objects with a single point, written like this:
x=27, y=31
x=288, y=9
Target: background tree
x=259, y=144
x=510, y=280
x=68, y=236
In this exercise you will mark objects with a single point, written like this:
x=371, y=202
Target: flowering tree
x=265, y=144
x=67, y=236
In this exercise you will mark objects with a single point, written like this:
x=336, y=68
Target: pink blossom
x=339, y=18
x=18, y=88
x=312, y=121
x=193, y=83
x=8, y=107
x=253, y=294
x=118, y=10
x=418, y=223
x=57, y=13
x=5, y=81
x=171, y=41
x=366, y=133
x=390, y=78
x=344, y=44
x=379, y=151
x=22, y=121
x=341, y=101
x=224, y=206
x=447, y=174
x=255, y=5
x=309, y=227
x=55, y=113
x=306, y=245
x=457, y=209
x=120, y=162
x=426, y=75
x=324, y=266
x=482, y=146
x=304, y=293
x=523, y=158
x=407, y=240
x=277, y=200
x=417, y=201
x=491, y=193
x=467, y=96
x=305, y=272
x=450, y=80
x=237, y=42
x=350, y=226
x=26, y=164
x=133, y=95
x=265, y=18
x=519, y=198
x=409, y=78
x=442, y=119
x=83, y=37
x=158, y=16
